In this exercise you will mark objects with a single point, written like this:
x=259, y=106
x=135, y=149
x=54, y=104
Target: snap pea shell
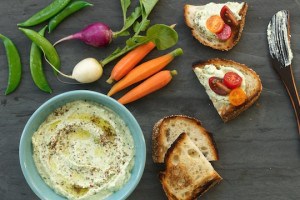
x=46, y=13
x=14, y=65
x=70, y=9
x=45, y=46
x=36, y=66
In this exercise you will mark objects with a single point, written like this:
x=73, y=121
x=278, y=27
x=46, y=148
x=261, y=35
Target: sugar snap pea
x=70, y=9
x=46, y=13
x=45, y=46
x=36, y=66
x=14, y=65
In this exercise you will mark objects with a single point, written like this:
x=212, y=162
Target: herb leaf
x=162, y=35
x=147, y=7
x=130, y=42
x=129, y=22
x=125, y=5
x=141, y=27
x=133, y=17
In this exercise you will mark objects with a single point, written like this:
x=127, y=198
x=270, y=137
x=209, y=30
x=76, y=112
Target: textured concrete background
x=259, y=151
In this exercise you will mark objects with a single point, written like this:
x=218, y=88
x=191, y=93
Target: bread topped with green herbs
x=188, y=173
x=218, y=77
x=196, y=18
x=167, y=130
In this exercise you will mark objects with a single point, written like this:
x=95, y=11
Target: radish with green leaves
x=99, y=34
x=90, y=70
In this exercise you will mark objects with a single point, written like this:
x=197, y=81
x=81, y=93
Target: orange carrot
x=129, y=61
x=144, y=71
x=150, y=85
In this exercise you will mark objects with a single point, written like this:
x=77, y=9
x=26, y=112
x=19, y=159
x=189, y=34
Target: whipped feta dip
x=84, y=150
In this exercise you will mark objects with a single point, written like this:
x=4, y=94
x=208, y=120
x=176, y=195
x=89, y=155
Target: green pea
x=36, y=66
x=70, y=9
x=14, y=65
x=46, y=13
x=45, y=46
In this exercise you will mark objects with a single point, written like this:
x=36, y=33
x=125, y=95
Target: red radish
x=225, y=33
x=97, y=34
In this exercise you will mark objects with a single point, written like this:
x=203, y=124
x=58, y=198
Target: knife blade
x=278, y=34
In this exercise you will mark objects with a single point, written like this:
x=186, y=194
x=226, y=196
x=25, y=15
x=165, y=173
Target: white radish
x=86, y=71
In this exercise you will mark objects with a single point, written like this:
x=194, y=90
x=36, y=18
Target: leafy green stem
x=162, y=35
x=117, y=54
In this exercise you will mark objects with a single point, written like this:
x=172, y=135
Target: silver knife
x=278, y=34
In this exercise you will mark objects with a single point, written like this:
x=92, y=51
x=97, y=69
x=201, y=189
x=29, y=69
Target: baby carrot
x=144, y=71
x=149, y=86
x=129, y=61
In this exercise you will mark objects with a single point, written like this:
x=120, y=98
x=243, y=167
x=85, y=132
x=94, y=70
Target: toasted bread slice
x=196, y=16
x=188, y=173
x=217, y=67
x=167, y=130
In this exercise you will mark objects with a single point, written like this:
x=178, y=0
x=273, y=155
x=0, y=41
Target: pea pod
x=70, y=9
x=36, y=67
x=46, y=13
x=14, y=65
x=45, y=46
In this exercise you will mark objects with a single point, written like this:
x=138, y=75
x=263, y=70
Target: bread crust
x=200, y=188
x=157, y=135
x=217, y=44
x=231, y=112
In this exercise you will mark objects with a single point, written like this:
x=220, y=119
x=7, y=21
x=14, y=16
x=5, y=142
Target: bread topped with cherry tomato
x=218, y=26
x=232, y=87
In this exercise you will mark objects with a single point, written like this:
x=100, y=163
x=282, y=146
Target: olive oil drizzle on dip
x=84, y=150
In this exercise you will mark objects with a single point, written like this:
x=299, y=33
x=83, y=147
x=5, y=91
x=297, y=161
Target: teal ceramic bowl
x=39, y=187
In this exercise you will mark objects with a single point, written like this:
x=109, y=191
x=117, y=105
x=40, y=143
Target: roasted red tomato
x=216, y=85
x=232, y=80
x=228, y=16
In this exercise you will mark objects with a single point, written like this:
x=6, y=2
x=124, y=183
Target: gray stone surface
x=259, y=151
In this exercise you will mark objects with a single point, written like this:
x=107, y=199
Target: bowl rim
x=101, y=97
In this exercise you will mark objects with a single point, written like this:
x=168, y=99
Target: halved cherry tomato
x=237, y=97
x=225, y=33
x=228, y=16
x=232, y=80
x=215, y=24
x=216, y=85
